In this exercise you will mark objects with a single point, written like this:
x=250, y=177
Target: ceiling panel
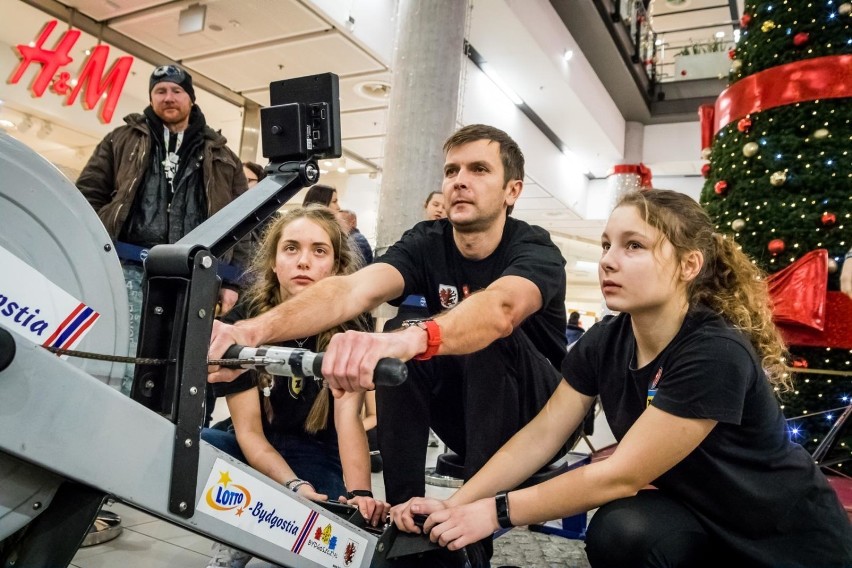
x=364, y=92
x=228, y=25
x=253, y=68
x=106, y=9
x=369, y=148
x=364, y=124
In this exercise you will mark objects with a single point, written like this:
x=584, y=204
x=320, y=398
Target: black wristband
x=502, y=502
x=359, y=493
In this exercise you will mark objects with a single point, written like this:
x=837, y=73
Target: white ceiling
x=246, y=44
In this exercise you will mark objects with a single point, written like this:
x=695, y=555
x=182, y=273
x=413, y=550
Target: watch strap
x=501, y=500
x=433, y=337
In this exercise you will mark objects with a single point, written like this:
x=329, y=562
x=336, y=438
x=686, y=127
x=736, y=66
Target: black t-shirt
x=433, y=267
x=291, y=397
x=748, y=484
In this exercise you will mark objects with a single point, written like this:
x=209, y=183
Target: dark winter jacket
x=112, y=177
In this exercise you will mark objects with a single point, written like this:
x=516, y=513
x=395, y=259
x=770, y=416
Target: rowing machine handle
x=389, y=372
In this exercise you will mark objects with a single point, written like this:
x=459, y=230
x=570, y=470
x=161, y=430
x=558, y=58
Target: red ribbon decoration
x=643, y=171
x=807, y=315
x=827, y=77
x=705, y=119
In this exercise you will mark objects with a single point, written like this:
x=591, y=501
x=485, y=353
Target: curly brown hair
x=265, y=293
x=729, y=283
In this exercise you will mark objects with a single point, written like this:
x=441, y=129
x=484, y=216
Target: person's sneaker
x=226, y=557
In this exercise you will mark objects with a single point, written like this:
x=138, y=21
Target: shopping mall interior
x=601, y=96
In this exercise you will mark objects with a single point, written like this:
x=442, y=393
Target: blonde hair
x=728, y=283
x=265, y=292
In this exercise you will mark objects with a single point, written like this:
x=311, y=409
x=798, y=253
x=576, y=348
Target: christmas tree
x=779, y=177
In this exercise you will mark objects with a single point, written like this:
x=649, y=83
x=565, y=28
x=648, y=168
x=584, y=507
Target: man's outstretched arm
x=327, y=303
x=472, y=325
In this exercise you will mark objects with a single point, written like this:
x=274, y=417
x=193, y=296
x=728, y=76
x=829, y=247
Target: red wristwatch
x=433, y=337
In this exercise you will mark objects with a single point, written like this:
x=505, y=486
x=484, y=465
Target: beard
x=476, y=224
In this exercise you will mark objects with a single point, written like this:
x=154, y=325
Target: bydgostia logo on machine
x=227, y=496
x=324, y=541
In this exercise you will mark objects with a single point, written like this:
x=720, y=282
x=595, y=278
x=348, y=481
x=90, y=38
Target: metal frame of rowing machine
x=84, y=440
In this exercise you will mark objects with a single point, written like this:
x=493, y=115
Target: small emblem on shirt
x=448, y=295
x=295, y=386
x=652, y=388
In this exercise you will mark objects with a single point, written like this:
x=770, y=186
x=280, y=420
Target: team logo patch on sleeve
x=449, y=295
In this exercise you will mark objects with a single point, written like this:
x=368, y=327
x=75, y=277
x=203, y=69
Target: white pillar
x=427, y=63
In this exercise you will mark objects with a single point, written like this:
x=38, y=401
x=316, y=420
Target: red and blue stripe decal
x=74, y=325
x=306, y=531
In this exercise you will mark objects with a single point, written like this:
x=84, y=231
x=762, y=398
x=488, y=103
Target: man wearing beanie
x=158, y=177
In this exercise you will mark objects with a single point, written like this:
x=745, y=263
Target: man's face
x=474, y=193
x=172, y=104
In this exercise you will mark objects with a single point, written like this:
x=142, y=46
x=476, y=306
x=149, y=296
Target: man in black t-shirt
x=495, y=286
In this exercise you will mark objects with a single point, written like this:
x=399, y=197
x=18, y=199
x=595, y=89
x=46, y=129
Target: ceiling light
x=720, y=35
x=500, y=83
x=342, y=170
x=375, y=90
x=328, y=163
x=7, y=124
x=568, y=55
x=659, y=42
x=191, y=19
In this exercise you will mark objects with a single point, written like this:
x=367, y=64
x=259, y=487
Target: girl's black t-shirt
x=746, y=482
x=291, y=397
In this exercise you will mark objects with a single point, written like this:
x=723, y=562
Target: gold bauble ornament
x=778, y=178
x=821, y=133
x=738, y=224
x=767, y=26
x=832, y=266
x=750, y=149
x=845, y=9
x=736, y=64
x=705, y=153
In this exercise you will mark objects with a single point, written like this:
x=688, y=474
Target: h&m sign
x=92, y=80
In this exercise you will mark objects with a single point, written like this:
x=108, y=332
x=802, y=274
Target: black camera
x=303, y=119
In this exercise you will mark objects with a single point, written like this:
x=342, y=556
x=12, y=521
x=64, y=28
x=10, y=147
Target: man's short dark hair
x=510, y=152
x=574, y=318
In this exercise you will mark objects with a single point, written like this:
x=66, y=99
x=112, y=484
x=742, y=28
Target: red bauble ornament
x=828, y=219
x=745, y=20
x=732, y=54
x=801, y=39
x=721, y=187
x=744, y=125
x=800, y=363
x=776, y=246
x=705, y=170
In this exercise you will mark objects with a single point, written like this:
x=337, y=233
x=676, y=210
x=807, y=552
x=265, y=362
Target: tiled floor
x=147, y=542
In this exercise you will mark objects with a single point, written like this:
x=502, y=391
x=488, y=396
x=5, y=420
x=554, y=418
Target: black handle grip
x=233, y=352
x=389, y=372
